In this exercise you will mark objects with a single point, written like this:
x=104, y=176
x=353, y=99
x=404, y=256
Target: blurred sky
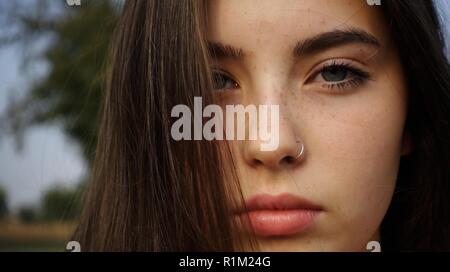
x=48, y=157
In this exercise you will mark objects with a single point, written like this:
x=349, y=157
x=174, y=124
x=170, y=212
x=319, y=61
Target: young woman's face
x=332, y=69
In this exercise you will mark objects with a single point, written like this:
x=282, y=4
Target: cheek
x=355, y=147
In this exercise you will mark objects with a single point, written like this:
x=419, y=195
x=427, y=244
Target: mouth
x=281, y=215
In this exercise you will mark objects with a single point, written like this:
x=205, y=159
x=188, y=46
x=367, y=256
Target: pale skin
x=353, y=133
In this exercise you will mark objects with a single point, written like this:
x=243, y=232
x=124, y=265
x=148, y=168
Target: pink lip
x=281, y=215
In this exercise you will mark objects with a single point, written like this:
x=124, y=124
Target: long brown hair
x=150, y=193
x=419, y=215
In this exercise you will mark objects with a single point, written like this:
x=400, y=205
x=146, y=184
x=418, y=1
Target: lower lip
x=281, y=222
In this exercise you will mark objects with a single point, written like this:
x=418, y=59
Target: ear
x=407, y=143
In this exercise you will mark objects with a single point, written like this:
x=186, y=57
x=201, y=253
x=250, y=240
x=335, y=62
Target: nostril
x=287, y=160
x=257, y=162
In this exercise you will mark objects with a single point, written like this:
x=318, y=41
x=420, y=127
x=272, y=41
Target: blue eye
x=222, y=81
x=341, y=76
x=334, y=74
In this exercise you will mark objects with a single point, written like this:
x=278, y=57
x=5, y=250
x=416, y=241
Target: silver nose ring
x=302, y=150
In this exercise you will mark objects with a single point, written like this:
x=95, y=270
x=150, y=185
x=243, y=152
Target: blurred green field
x=35, y=237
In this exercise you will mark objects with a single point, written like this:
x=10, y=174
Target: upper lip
x=278, y=202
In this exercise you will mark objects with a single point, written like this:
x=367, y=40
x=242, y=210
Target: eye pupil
x=333, y=74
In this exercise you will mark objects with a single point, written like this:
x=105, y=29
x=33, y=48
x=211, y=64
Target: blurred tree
x=60, y=204
x=27, y=214
x=76, y=43
x=3, y=204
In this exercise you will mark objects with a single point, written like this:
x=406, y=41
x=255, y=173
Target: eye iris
x=333, y=74
x=223, y=82
x=219, y=81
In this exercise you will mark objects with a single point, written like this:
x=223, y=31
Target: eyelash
x=359, y=76
x=225, y=75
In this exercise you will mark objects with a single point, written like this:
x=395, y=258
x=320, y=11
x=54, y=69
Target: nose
x=290, y=151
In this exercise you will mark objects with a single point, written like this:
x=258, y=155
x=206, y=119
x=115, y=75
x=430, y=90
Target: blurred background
x=52, y=59
x=52, y=56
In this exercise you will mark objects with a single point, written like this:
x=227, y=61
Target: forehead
x=249, y=23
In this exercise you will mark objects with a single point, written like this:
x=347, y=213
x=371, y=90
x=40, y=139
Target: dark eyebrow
x=221, y=51
x=311, y=45
x=334, y=38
